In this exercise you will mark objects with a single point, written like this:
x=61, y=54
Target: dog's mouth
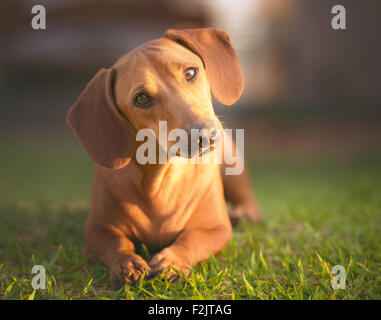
x=200, y=153
x=214, y=144
x=203, y=151
x=199, y=148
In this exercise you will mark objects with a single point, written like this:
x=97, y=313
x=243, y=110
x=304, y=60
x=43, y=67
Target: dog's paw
x=245, y=212
x=127, y=268
x=169, y=263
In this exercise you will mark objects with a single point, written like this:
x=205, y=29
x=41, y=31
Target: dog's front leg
x=190, y=247
x=237, y=187
x=111, y=247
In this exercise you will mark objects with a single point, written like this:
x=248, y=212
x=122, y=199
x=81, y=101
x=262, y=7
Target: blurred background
x=311, y=92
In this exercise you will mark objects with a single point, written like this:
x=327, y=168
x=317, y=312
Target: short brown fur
x=176, y=210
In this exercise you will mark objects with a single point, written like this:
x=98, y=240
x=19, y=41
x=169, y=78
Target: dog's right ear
x=98, y=124
x=220, y=60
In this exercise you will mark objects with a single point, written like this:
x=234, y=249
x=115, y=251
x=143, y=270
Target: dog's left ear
x=220, y=60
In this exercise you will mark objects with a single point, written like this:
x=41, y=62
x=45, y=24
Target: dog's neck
x=156, y=178
x=153, y=176
x=156, y=181
x=163, y=186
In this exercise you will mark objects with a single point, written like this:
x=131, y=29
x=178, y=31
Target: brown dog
x=176, y=210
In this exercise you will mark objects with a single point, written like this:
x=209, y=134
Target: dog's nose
x=213, y=135
x=206, y=137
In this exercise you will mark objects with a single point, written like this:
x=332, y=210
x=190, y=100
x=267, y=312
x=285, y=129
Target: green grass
x=318, y=213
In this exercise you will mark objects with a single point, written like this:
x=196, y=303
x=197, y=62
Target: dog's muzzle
x=204, y=140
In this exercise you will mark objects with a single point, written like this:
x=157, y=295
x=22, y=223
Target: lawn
x=318, y=213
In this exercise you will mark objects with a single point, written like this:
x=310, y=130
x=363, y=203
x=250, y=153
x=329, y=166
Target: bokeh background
x=311, y=92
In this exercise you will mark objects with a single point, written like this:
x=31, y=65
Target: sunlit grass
x=317, y=214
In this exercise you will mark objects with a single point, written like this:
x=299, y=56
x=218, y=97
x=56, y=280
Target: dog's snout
x=204, y=137
x=207, y=137
x=213, y=135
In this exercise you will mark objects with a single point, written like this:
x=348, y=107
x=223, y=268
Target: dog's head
x=167, y=79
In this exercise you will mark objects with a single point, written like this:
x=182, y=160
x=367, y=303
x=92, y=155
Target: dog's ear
x=98, y=124
x=220, y=60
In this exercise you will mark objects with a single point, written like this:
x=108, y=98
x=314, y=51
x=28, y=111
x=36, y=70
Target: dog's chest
x=157, y=223
x=157, y=207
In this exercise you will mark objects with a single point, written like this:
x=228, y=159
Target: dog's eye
x=190, y=74
x=143, y=100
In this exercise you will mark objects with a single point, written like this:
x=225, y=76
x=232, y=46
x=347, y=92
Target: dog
x=178, y=211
